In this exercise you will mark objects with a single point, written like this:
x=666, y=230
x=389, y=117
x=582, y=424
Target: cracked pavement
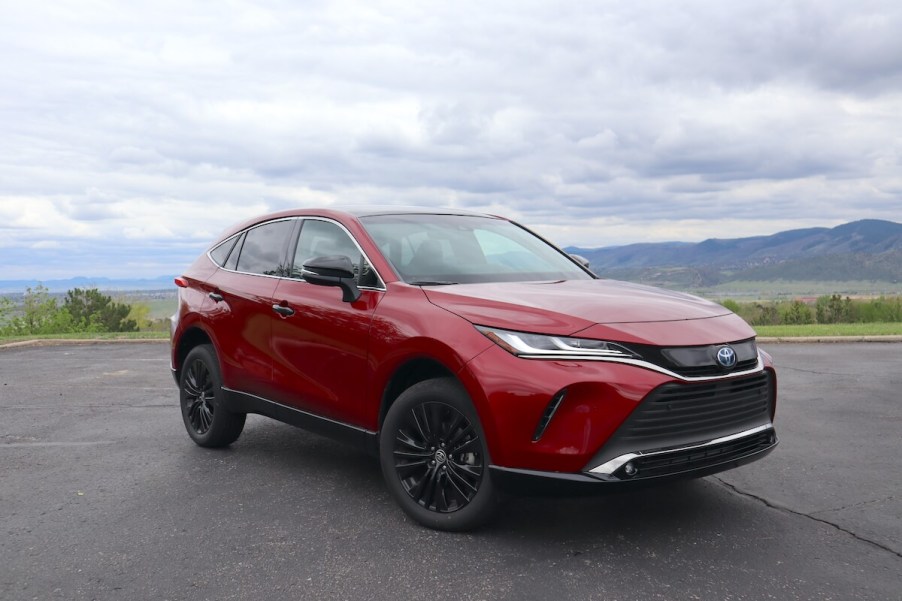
x=839, y=419
x=103, y=496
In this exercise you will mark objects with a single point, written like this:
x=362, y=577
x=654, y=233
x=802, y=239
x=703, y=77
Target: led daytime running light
x=523, y=344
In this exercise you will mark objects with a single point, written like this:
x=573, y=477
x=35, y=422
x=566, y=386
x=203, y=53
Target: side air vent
x=556, y=401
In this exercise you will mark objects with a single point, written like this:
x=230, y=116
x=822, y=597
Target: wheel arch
x=190, y=338
x=412, y=371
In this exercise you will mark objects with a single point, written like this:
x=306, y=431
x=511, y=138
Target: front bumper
x=570, y=417
x=651, y=467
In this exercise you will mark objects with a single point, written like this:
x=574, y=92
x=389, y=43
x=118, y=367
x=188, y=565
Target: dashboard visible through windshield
x=430, y=249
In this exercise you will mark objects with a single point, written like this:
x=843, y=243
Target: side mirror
x=334, y=270
x=580, y=259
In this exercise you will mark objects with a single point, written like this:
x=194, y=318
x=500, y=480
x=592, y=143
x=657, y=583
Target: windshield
x=463, y=249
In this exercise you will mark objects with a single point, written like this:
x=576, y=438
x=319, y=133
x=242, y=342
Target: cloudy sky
x=133, y=133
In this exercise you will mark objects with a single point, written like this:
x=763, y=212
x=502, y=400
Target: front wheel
x=435, y=459
x=206, y=418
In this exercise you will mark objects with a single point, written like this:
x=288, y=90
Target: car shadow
x=272, y=452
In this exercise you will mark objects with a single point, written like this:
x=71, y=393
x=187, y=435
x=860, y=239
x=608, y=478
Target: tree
x=40, y=314
x=833, y=309
x=797, y=313
x=765, y=315
x=92, y=311
x=6, y=307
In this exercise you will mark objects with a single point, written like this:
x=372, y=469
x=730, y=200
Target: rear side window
x=263, y=250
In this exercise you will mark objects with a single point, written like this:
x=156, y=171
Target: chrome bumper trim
x=608, y=468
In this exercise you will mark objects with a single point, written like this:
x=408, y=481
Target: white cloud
x=143, y=127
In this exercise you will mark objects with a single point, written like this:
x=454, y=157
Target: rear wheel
x=206, y=418
x=435, y=459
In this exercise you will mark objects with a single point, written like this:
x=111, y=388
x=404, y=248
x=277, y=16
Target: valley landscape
x=858, y=259
x=838, y=280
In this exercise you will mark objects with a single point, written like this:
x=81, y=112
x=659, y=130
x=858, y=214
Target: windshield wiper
x=431, y=283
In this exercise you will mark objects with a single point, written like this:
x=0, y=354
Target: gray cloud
x=597, y=123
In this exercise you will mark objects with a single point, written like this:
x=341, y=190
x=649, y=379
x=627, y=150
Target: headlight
x=540, y=346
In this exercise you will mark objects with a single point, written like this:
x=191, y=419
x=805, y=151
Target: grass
x=751, y=290
x=831, y=329
x=794, y=331
x=160, y=308
x=89, y=336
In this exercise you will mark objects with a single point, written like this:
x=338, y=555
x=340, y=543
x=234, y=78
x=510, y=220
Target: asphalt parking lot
x=104, y=496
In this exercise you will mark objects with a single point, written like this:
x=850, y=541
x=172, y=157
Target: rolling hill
x=862, y=251
x=866, y=237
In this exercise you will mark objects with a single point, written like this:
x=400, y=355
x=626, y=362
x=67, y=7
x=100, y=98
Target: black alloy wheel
x=434, y=457
x=437, y=457
x=199, y=395
x=208, y=422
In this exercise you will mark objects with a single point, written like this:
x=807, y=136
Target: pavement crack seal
x=789, y=510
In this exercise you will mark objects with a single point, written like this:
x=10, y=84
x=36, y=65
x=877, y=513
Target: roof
x=372, y=210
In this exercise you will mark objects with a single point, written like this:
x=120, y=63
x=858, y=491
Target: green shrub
x=82, y=311
x=796, y=313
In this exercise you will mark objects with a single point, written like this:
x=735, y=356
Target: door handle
x=215, y=296
x=283, y=310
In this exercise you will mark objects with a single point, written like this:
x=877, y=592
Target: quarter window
x=232, y=262
x=221, y=252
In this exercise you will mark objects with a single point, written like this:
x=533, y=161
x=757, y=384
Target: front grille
x=698, y=411
x=669, y=463
x=686, y=414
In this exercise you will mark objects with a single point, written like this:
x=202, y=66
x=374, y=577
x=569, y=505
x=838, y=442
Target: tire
x=208, y=422
x=434, y=457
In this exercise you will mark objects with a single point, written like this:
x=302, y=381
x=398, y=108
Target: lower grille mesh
x=669, y=425
x=686, y=412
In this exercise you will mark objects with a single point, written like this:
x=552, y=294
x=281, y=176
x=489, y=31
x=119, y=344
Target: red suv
x=470, y=354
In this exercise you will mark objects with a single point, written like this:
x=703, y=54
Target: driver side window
x=326, y=239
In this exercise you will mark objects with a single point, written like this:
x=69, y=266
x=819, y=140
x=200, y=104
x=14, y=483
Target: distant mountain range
x=104, y=284
x=869, y=249
x=866, y=250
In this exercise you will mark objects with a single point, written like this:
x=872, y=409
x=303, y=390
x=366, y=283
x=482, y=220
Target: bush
x=92, y=311
x=796, y=313
x=833, y=309
x=82, y=311
x=731, y=305
x=827, y=309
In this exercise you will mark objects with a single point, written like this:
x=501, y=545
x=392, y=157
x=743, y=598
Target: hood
x=567, y=307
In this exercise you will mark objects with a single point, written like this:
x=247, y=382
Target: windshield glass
x=463, y=249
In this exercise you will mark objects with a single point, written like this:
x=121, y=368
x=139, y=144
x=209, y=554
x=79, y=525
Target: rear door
x=242, y=292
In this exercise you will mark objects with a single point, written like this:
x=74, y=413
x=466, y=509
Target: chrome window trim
x=381, y=288
x=609, y=467
x=237, y=234
x=282, y=277
x=212, y=248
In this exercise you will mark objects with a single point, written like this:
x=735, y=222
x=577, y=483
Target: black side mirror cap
x=333, y=270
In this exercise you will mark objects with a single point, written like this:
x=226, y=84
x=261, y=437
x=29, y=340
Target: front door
x=319, y=343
